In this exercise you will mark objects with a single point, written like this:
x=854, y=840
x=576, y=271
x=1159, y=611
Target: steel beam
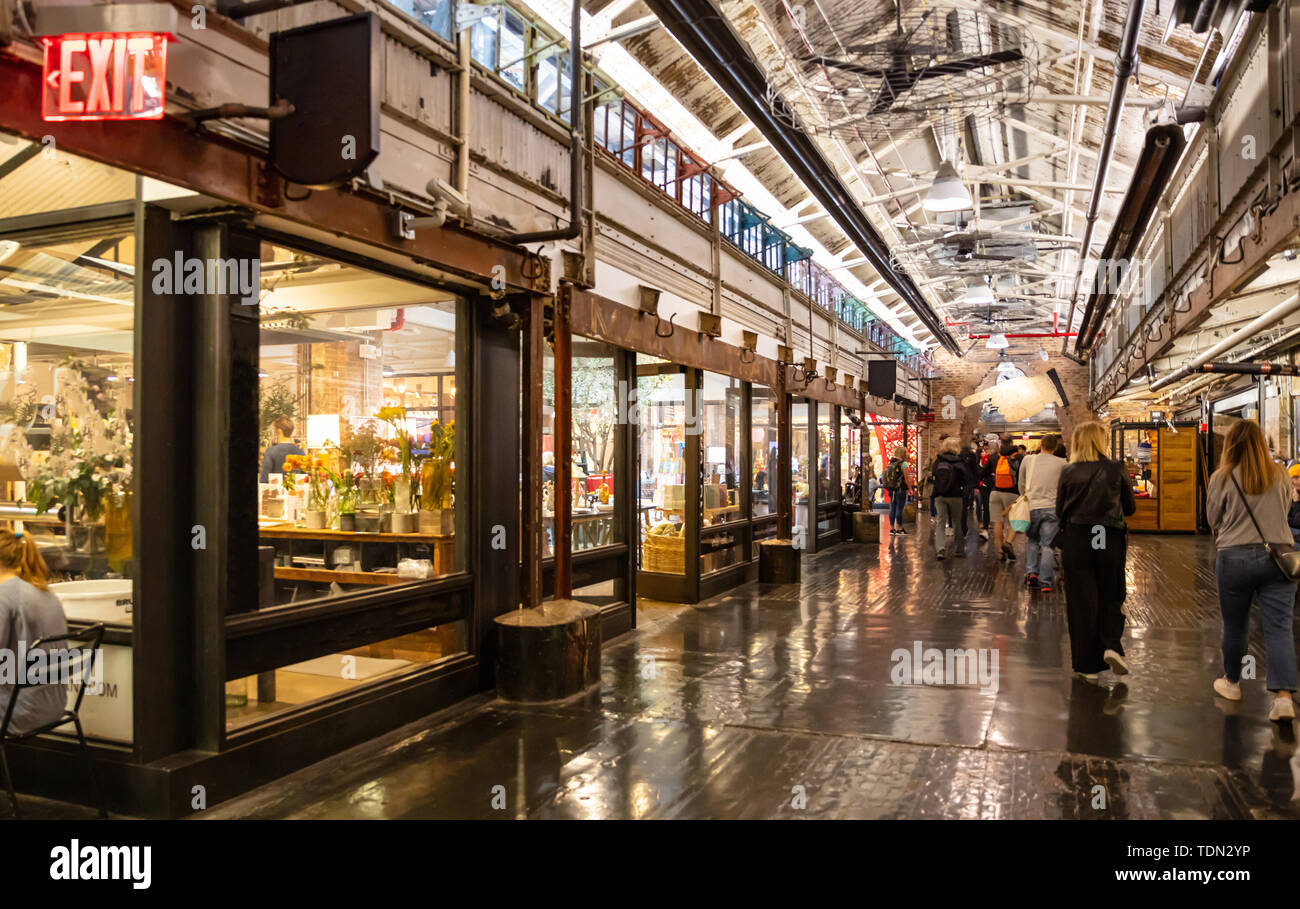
x=711, y=40
x=173, y=150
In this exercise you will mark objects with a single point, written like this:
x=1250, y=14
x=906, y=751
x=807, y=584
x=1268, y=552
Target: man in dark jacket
x=972, y=463
x=950, y=483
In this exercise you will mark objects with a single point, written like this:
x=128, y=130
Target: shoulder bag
x=1287, y=561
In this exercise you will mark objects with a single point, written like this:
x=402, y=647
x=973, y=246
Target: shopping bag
x=1018, y=515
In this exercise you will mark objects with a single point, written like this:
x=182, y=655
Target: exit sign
x=105, y=76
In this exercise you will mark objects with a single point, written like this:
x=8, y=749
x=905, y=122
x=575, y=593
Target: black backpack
x=947, y=479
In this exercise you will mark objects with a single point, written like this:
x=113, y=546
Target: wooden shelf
x=326, y=576
x=289, y=532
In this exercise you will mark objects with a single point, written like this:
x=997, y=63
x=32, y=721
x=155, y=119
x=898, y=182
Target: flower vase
x=117, y=531
x=403, y=522
x=348, y=522
x=315, y=519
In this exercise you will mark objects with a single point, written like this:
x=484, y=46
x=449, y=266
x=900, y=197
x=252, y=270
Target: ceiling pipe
x=576, y=80
x=710, y=39
x=1267, y=320
x=1250, y=369
x=1125, y=60
x=1161, y=150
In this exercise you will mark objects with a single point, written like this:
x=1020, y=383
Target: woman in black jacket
x=1092, y=501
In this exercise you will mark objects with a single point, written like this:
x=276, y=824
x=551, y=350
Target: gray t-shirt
x=26, y=615
x=1040, y=476
x=1232, y=525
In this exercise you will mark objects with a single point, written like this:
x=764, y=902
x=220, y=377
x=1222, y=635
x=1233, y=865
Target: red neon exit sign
x=107, y=76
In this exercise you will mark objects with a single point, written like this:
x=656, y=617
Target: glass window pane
x=512, y=51
x=595, y=416
x=828, y=514
x=546, y=82
x=566, y=74
x=435, y=14
x=763, y=435
x=662, y=424
x=721, y=443
x=799, y=465
x=358, y=481
x=850, y=450
x=483, y=40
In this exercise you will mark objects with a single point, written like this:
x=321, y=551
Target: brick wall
x=961, y=376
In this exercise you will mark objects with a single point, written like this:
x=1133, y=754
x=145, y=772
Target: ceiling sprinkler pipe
x=1267, y=320
x=1125, y=60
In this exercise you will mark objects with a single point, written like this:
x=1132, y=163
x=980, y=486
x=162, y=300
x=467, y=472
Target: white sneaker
x=1282, y=711
x=1115, y=662
x=1225, y=689
x=1089, y=676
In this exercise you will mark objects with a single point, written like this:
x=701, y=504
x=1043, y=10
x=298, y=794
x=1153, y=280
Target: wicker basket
x=664, y=554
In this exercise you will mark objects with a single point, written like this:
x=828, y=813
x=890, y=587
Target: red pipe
x=1029, y=334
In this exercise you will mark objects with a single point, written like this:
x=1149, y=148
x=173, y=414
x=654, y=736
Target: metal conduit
x=1125, y=59
x=1268, y=319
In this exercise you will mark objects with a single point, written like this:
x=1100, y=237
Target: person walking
x=950, y=483
x=982, y=492
x=1001, y=473
x=1040, y=475
x=971, y=460
x=1092, y=501
x=1293, y=514
x=894, y=479
x=1246, y=504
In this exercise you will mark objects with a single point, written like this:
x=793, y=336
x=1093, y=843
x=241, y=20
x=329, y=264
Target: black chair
x=80, y=643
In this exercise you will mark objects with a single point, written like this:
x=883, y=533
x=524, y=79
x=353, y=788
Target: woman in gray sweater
x=1245, y=570
x=28, y=612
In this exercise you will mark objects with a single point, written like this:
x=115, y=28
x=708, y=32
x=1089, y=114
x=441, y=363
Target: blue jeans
x=897, y=499
x=1246, y=572
x=1039, y=558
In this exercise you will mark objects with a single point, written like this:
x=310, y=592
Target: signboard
x=104, y=76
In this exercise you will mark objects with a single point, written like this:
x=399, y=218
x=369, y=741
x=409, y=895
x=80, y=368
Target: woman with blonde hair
x=28, y=612
x=1247, y=505
x=1092, y=501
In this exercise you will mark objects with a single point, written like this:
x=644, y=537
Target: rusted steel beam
x=563, y=520
x=784, y=472
x=594, y=316
x=532, y=549
x=173, y=150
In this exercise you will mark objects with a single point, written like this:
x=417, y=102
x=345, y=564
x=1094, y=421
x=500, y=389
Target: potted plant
x=436, y=481
x=318, y=487
x=403, y=491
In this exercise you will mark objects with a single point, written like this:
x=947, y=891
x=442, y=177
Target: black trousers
x=984, y=501
x=1093, y=558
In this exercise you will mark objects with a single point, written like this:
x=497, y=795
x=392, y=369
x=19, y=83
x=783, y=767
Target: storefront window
x=435, y=14
x=721, y=447
x=66, y=409
x=763, y=436
x=267, y=693
x=358, y=483
x=664, y=416
x=799, y=465
x=595, y=416
x=828, y=499
x=850, y=449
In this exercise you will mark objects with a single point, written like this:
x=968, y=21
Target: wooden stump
x=778, y=562
x=866, y=527
x=548, y=653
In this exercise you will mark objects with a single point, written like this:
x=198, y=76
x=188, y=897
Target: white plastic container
x=107, y=601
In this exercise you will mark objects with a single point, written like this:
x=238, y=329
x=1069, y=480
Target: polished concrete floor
x=778, y=702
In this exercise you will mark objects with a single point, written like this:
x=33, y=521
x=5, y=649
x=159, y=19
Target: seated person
x=28, y=612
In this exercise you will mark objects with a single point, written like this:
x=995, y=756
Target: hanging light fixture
x=979, y=294
x=997, y=342
x=947, y=193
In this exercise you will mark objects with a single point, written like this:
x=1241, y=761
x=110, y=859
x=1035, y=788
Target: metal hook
x=746, y=352
x=671, y=328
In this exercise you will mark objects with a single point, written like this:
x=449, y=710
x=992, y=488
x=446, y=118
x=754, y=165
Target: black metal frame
x=90, y=638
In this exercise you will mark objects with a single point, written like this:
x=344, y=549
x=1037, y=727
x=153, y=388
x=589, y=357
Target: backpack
x=946, y=482
x=1004, y=476
x=893, y=477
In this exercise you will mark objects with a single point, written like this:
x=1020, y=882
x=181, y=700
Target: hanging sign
x=105, y=76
